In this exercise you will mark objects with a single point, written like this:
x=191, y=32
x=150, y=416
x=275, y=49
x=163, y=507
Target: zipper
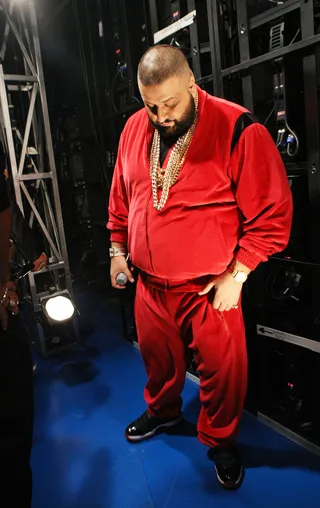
x=147, y=234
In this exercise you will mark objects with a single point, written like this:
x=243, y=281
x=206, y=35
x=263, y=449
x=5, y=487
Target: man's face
x=170, y=105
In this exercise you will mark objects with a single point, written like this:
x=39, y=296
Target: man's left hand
x=227, y=292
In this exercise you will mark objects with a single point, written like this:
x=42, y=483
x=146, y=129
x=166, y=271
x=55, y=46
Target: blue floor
x=82, y=460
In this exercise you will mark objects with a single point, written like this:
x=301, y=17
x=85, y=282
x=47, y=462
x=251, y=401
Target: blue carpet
x=81, y=459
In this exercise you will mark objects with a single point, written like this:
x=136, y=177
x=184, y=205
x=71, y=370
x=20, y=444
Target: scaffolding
x=28, y=142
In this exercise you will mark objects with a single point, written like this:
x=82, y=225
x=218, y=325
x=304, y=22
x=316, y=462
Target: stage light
x=58, y=307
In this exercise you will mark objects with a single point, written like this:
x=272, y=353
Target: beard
x=180, y=126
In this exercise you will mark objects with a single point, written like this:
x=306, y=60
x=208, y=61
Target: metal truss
x=27, y=136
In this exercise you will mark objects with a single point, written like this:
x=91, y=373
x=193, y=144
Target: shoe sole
x=230, y=486
x=136, y=439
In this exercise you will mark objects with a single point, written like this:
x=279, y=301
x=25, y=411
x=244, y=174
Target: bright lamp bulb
x=59, y=308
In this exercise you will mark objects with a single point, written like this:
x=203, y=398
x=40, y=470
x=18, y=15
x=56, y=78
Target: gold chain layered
x=165, y=178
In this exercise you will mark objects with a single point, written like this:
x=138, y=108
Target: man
x=16, y=390
x=22, y=235
x=7, y=294
x=199, y=198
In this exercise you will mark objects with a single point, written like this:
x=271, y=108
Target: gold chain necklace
x=164, y=179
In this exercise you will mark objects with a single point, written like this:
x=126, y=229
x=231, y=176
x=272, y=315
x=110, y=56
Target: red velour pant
x=168, y=320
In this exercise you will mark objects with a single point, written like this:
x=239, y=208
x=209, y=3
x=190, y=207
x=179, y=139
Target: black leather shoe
x=228, y=466
x=146, y=426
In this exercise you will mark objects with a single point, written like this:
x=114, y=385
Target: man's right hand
x=10, y=303
x=40, y=262
x=119, y=265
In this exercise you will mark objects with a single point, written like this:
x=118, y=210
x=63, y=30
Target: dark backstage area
x=160, y=253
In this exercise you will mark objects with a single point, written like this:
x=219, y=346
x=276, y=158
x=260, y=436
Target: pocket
x=225, y=323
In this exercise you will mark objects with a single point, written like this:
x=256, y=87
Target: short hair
x=160, y=63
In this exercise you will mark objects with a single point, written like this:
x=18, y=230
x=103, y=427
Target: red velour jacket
x=220, y=207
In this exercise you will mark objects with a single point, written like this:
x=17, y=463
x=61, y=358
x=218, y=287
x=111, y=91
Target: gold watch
x=238, y=276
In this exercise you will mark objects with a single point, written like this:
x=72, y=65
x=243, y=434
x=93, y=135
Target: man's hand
x=227, y=292
x=118, y=265
x=12, y=300
x=40, y=262
x=10, y=304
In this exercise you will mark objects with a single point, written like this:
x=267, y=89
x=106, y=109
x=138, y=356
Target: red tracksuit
x=220, y=208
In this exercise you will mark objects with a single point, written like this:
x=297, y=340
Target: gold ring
x=234, y=306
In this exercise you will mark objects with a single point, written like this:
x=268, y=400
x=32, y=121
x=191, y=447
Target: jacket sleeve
x=263, y=195
x=118, y=202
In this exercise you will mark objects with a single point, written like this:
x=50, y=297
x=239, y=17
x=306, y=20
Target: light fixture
x=58, y=307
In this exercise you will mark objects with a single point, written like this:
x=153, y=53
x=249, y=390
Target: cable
x=275, y=106
x=292, y=139
x=92, y=58
x=287, y=139
x=287, y=287
x=271, y=112
x=119, y=72
x=298, y=31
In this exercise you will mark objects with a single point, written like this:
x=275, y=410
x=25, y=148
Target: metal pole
x=312, y=127
x=194, y=42
x=9, y=137
x=243, y=35
x=153, y=17
x=214, y=37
